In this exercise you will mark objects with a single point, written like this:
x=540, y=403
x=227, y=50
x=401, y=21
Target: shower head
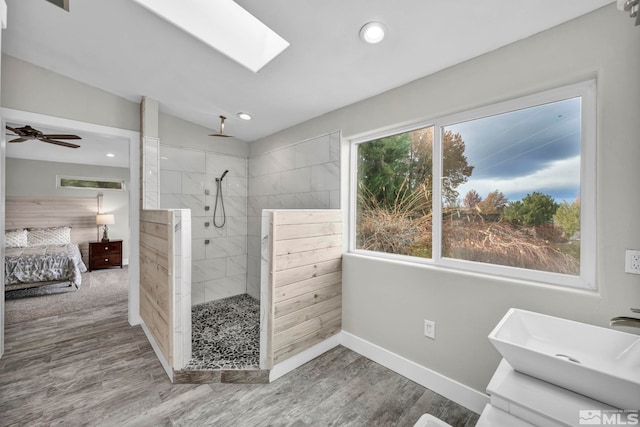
x=221, y=133
x=222, y=176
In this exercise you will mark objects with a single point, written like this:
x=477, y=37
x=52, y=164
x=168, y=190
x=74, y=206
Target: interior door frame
x=133, y=138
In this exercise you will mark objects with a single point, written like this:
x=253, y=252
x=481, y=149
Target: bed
x=42, y=256
x=47, y=239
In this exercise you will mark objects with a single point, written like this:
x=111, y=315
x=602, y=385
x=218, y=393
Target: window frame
x=59, y=178
x=586, y=90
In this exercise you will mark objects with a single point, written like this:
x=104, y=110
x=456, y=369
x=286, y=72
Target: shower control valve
x=206, y=242
x=206, y=224
x=206, y=208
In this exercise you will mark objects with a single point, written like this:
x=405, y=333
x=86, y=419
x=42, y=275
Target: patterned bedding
x=43, y=264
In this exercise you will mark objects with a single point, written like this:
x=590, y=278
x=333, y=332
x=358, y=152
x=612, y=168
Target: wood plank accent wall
x=156, y=277
x=305, y=279
x=77, y=212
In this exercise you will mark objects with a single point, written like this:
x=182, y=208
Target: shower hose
x=219, y=200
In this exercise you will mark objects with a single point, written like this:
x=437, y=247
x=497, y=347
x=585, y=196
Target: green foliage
x=383, y=166
x=404, y=162
x=536, y=208
x=567, y=217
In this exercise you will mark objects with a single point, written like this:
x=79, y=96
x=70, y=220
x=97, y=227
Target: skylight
x=64, y=4
x=225, y=26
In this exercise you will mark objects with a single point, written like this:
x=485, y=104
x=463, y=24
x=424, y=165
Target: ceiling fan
x=221, y=133
x=27, y=133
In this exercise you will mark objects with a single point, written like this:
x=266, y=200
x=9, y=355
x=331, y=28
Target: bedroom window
x=90, y=183
x=506, y=189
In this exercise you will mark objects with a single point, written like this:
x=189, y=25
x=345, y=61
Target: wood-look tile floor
x=91, y=368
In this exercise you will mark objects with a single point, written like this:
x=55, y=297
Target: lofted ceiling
x=120, y=47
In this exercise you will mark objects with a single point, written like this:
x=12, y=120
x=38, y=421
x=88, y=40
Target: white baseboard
x=154, y=345
x=300, y=359
x=445, y=386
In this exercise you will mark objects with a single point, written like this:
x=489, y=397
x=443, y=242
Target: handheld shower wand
x=219, y=197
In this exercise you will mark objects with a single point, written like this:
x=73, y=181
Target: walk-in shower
x=225, y=332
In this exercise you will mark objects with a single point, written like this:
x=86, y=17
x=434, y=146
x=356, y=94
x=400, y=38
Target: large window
x=507, y=189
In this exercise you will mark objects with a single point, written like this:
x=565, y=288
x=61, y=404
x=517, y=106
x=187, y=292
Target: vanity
x=556, y=372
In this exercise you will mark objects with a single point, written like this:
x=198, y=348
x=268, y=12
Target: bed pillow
x=15, y=239
x=49, y=236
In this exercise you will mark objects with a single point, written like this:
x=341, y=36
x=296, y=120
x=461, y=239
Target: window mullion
x=436, y=221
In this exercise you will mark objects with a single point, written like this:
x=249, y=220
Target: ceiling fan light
x=373, y=32
x=244, y=116
x=110, y=155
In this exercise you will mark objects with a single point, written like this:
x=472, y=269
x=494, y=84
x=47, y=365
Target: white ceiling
x=93, y=148
x=122, y=48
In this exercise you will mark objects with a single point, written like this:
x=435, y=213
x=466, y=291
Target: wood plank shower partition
x=156, y=277
x=302, y=267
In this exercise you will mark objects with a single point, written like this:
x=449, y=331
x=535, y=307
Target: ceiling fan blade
x=13, y=130
x=19, y=140
x=56, y=136
x=64, y=144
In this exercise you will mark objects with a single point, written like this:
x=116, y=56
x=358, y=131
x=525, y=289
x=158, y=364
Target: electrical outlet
x=430, y=329
x=632, y=262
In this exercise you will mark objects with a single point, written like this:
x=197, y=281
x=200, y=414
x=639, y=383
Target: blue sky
x=535, y=149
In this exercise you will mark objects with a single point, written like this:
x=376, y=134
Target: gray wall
x=34, y=178
x=385, y=302
x=30, y=88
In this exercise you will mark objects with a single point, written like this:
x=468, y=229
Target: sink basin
x=600, y=363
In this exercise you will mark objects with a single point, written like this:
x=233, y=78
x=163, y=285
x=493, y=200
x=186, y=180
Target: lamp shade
x=105, y=219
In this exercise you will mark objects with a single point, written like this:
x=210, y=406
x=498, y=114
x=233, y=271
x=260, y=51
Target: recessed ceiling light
x=110, y=155
x=373, y=32
x=244, y=116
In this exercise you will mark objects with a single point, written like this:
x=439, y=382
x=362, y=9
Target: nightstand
x=105, y=254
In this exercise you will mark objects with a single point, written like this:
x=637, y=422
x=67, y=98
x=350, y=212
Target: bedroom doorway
x=122, y=143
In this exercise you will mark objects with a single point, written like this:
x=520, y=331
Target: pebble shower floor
x=226, y=334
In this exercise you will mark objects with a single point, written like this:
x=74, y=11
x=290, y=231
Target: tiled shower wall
x=305, y=175
x=219, y=269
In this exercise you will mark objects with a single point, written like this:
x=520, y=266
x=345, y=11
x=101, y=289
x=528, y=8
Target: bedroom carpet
x=98, y=288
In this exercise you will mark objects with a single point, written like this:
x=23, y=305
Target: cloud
x=557, y=177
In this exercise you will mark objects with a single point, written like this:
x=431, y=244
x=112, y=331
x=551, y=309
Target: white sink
x=600, y=363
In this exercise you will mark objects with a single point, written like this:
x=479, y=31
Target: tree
x=383, y=166
x=494, y=203
x=534, y=209
x=471, y=200
x=567, y=217
x=403, y=163
x=455, y=168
